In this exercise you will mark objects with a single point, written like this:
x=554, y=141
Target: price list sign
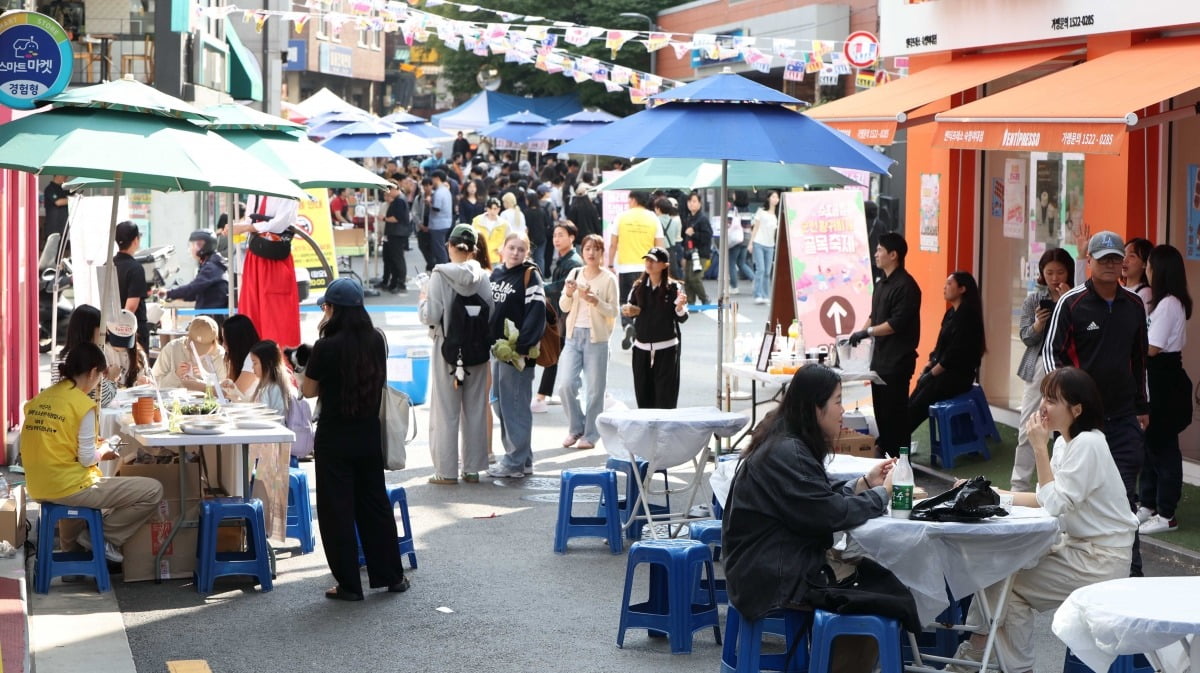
x=35, y=58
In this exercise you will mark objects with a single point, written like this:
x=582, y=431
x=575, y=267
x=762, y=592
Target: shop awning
x=872, y=116
x=245, y=75
x=1088, y=108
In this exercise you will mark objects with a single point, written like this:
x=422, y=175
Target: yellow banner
x=313, y=217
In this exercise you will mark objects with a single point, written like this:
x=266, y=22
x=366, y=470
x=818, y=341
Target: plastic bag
x=972, y=500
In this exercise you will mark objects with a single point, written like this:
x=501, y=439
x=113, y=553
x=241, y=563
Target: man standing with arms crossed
x=1100, y=327
x=895, y=324
x=637, y=230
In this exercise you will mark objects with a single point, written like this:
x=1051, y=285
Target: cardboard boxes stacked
x=855, y=444
x=12, y=517
x=180, y=560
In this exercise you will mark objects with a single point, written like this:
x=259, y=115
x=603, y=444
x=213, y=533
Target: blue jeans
x=737, y=264
x=580, y=355
x=513, y=391
x=764, y=263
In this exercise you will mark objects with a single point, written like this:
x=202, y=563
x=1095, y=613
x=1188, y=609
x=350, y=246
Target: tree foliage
x=460, y=67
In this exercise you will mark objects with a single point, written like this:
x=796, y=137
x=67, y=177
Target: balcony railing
x=112, y=48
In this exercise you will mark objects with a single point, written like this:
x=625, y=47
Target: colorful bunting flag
x=793, y=70
x=865, y=79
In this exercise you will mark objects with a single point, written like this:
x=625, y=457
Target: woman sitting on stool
x=954, y=362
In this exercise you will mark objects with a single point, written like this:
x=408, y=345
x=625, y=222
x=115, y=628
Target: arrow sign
x=836, y=312
x=837, y=316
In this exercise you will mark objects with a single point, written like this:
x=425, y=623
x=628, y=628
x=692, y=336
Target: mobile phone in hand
x=1047, y=304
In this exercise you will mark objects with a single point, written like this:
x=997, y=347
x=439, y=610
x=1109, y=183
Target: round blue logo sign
x=35, y=58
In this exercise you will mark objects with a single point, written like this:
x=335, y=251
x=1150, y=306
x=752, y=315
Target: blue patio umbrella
x=730, y=118
x=515, y=128
x=375, y=138
x=325, y=125
x=418, y=126
x=576, y=126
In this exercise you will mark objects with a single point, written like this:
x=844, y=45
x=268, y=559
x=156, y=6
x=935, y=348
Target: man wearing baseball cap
x=1100, y=327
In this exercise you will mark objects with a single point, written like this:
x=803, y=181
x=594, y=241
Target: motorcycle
x=49, y=275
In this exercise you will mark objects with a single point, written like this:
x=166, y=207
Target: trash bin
x=408, y=370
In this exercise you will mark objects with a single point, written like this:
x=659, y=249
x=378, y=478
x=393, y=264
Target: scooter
x=160, y=274
x=50, y=275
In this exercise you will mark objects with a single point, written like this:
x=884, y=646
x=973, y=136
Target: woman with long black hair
x=659, y=304
x=1161, y=481
x=346, y=372
x=954, y=363
x=238, y=336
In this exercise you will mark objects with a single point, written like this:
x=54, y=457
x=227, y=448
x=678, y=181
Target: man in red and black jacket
x=1100, y=327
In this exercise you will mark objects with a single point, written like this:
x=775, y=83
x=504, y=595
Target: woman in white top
x=762, y=246
x=1161, y=481
x=589, y=299
x=1133, y=268
x=1082, y=488
x=273, y=383
x=512, y=214
x=238, y=336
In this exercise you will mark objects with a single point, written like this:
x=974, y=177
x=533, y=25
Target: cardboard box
x=179, y=562
x=12, y=517
x=855, y=444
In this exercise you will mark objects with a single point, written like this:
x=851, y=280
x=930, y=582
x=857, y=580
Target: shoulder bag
x=396, y=417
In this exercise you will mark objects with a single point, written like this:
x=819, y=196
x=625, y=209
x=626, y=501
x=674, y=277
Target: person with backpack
x=519, y=298
x=275, y=389
x=457, y=305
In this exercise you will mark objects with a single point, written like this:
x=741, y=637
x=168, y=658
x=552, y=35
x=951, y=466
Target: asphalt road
x=489, y=595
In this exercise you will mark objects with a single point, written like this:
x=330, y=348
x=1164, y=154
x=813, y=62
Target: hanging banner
x=312, y=215
x=1193, y=212
x=1014, y=189
x=829, y=262
x=931, y=210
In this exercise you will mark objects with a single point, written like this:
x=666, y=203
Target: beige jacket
x=176, y=352
x=603, y=313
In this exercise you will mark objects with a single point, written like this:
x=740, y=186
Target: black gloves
x=857, y=337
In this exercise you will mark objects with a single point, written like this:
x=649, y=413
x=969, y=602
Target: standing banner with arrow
x=829, y=262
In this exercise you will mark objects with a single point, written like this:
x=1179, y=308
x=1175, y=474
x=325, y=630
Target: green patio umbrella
x=125, y=95
x=705, y=174
x=302, y=161
x=231, y=116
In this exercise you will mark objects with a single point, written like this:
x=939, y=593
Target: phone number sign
x=35, y=58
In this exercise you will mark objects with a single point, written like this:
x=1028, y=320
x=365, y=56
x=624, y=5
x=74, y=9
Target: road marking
x=188, y=666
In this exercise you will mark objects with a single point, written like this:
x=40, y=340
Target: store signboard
x=335, y=59
x=942, y=26
x=1090, y=138
x=35, y=58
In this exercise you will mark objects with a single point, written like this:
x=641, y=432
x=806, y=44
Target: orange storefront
x=1032, y=125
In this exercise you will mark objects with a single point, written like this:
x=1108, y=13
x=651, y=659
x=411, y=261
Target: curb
x=1164, y=551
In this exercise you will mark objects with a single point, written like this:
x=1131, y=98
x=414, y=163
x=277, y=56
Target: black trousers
x=1127, y=443
x=425, y=245
x=395, y=269
x=656, y=378
x=1161, y=482
x=350, y=495
x=891, y=411
x=933, y=390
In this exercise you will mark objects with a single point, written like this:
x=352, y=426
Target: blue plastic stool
x=827, y=626
x=51, y=564
x=299, y=511
x=212, y=564
x=708, y=531
x=607, y=525
x=742, y=652
x=955, y=429
x=632, y=489
x=675, y=567
x=397, y=496
x=987, y=423
x=1126, y=663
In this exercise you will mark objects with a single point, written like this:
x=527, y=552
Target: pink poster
x=830, y=262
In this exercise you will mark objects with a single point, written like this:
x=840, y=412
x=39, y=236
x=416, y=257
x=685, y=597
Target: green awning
x=245, y=77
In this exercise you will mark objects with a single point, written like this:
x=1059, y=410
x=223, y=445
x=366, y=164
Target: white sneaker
x=1157, y=524
x=734, y=290
x=1144, y=514
x=759, y=300
x=553, y=400
x=110, y=552
x=967, y=652
x=539, y=406
x=498, y=471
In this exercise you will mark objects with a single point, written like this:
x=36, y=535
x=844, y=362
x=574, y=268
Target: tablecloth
x=966, y=556
x=665, y=437
x=839, y=467
x=1130, y=616
x=747, y=371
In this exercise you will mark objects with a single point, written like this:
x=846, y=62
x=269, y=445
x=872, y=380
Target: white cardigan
x=603, y=313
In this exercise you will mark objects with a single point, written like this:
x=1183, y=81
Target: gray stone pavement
x=489, y=595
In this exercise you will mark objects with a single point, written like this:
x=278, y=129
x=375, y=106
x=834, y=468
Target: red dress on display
x=269, y=295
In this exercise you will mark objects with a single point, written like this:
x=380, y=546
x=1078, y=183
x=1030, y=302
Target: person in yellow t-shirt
x=60, y=451
x=636, y=231
x=492, y=228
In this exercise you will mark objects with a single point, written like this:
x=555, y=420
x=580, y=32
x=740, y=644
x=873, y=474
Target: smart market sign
x=35, y=58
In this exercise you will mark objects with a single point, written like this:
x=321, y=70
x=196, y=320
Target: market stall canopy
x=515, y=128
x=418, y=126
x=576, y=126
x=375, y=138
x=326, y=124
x=1090, y=107
x=125, y=95
x=706, y=174
x=325, y=101
x=489, y=106
x=873, y=116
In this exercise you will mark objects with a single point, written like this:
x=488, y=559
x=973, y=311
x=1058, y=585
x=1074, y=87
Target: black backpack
x=467, y=332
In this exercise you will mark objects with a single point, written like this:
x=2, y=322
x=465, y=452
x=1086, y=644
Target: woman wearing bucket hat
x=193, y=362
x=459, y=393
x=346, y=371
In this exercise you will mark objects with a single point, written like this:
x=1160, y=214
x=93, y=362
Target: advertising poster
x=613, y=202
x=829, y=261
x=1015, y=181
x=1046, y=207
x=1193, y=212
x=1077, y=229
x=931, y=209
x=997, y=198
x=312, y=215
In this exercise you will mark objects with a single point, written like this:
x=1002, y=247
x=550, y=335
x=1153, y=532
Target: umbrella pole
x=110, y=278
x=722, y=284
x=54, y=291
x=231, y=206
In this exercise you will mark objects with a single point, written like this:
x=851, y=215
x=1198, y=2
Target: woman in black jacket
x=954, y=363
x=659, y=304
x=695, y=245
x=782, y=509
x=583, y=214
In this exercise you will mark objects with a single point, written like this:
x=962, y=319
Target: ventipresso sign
x=961, y=24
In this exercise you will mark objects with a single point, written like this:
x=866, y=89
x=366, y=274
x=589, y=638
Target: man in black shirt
x=131, y=278
x=54, y=199
x=895, y=324
x=1100, y=327
x=397, y=228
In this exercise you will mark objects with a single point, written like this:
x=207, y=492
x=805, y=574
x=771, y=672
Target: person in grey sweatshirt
x=456, y=406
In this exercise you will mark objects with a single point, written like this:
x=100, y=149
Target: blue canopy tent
x=487, y=107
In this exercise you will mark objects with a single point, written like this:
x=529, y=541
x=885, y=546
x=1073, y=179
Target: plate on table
x=202, y=428
x=244, y=406
x=255, y=424
x=148, y=428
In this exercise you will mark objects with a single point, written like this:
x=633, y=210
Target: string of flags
x=538, y=41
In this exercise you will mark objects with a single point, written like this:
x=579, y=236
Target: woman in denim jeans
x=590, y=301
x=762, y=246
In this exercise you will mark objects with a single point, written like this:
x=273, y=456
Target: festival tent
x=324, y=101
x=487, y=107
